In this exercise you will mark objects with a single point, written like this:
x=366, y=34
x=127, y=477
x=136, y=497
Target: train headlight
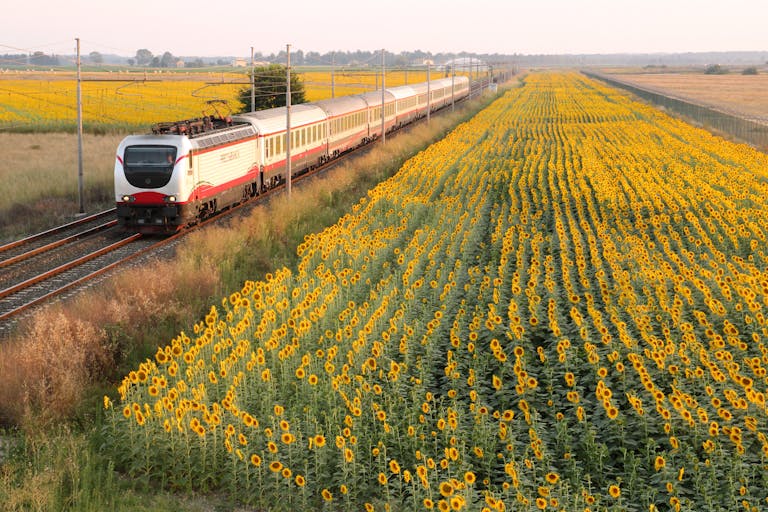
x=170, y=199
x=128, y=199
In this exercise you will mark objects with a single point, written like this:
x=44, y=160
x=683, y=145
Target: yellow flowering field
x=557, y=307
x=131, y=101
x=134, y=101
x=317, y=84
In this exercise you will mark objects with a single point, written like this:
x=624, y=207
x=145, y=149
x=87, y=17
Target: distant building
x=244, y=63
x=180, y=63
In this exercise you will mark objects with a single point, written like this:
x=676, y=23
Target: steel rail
x=84, y=279
x=53, y=231
x=67, y=266
x=54, y=245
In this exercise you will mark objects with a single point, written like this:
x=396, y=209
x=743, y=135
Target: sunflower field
x=557, y=307
x=321, y=85
x=134, y=101
x=117, y=101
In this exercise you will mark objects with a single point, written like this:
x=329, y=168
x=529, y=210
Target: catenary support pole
x=288, y=118
x=253, y=84
x=79, y=132
x=383, y=85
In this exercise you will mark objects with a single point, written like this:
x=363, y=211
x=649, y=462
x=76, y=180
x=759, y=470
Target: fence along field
x=559, y=306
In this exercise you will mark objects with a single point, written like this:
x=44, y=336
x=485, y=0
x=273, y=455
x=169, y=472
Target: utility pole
x=79, y=132
x=288, y=118
x=429, y=92
x=383, y=85
x=453, y=85
x=253, y=84
x=333, y=76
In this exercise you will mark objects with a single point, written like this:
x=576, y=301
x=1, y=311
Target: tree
x=168, y=60
x=752, y=70
x=41, y=59
x=270, y=89
x=96, y=57
x=197, y=63
x=715, y=69
x=143, y=57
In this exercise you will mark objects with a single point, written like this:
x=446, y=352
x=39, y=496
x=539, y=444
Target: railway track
x=40, y=267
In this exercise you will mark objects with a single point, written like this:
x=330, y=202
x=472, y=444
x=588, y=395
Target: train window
x=149, y=166
x=303, y=136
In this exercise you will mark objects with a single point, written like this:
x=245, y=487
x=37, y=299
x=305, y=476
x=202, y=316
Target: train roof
x=273, y=120
x=442, y=82
x=221, y=136
x=341, y=105
x=373, y=98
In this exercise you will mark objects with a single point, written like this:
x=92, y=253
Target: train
x=186, y=171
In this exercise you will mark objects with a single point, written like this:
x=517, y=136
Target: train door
x=192, y=177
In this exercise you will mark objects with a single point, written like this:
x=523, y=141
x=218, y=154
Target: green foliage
x=751, y=70
x=269, y=84
x=715, y=69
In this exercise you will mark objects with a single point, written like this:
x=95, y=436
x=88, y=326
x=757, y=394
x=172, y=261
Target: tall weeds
x=41, y=171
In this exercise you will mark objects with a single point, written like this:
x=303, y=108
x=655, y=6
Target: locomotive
x=187, y=171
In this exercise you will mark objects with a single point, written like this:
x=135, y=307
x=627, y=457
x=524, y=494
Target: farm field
x=123, y=101
x=42, y=172
x=745, y=95
x=558, y=306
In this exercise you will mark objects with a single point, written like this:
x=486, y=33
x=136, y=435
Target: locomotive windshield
x=149, y=166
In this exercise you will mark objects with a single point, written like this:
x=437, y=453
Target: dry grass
x=746, y=95
x=51, y=363
x=41, y=170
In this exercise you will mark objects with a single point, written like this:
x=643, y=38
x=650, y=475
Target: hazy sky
x=230, y=27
